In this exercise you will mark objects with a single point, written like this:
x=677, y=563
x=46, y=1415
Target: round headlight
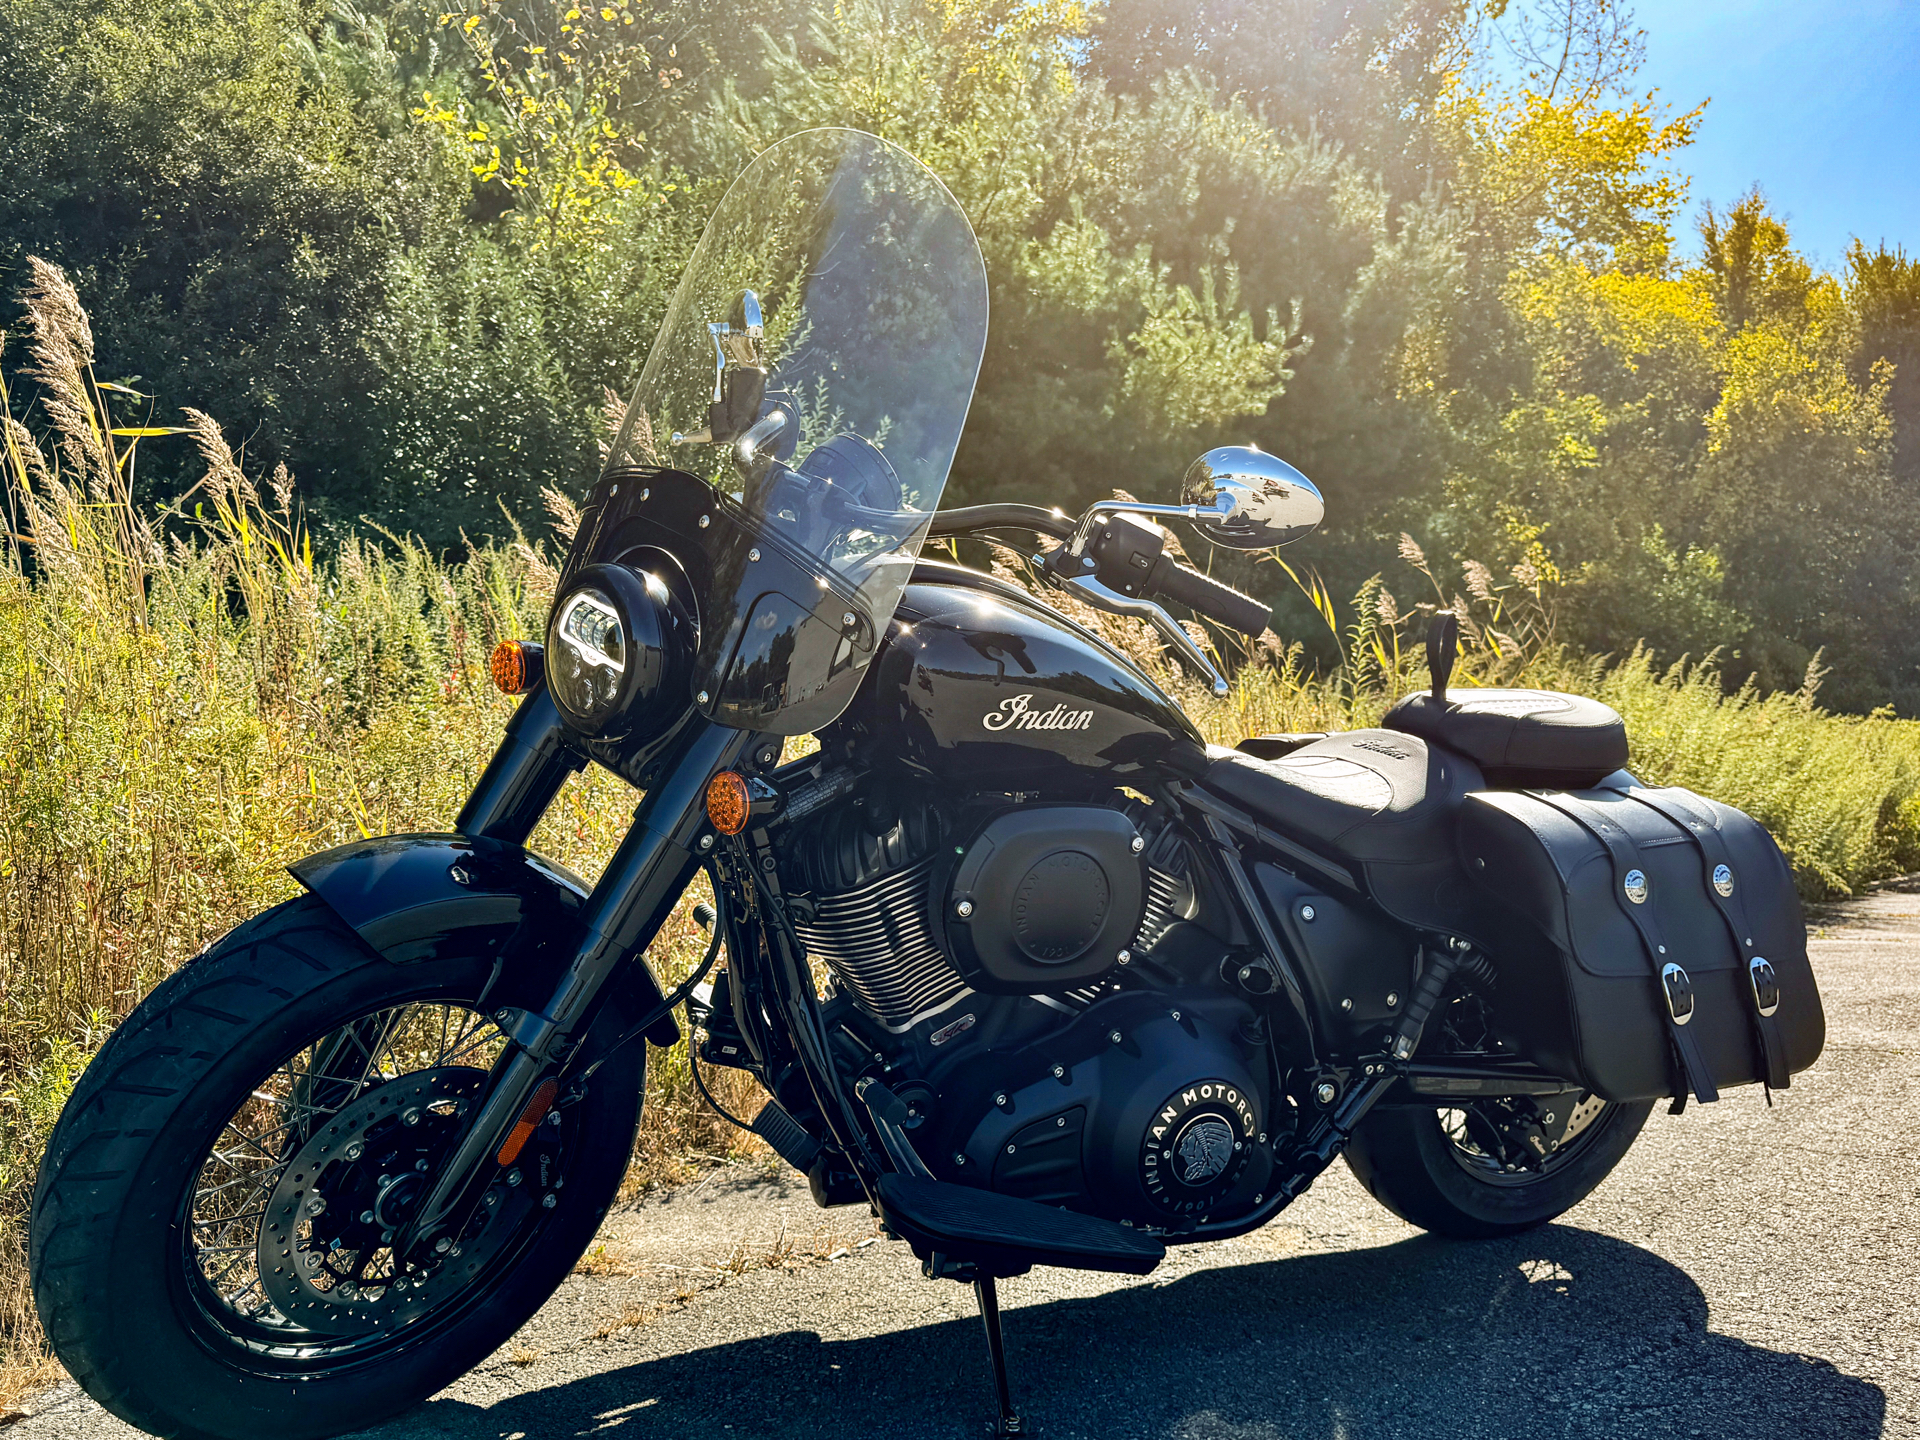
x=592, y=644
x=612, y=637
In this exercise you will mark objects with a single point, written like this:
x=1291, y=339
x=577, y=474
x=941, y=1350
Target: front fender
x=409, y=896
x=414, y=897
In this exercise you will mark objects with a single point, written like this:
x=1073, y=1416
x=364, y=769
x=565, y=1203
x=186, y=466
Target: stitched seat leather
x=1367, y=795
x=1520, y=738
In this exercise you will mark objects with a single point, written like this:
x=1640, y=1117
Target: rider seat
x=1357, y=797
x=1371, y=810
x=1521, y=739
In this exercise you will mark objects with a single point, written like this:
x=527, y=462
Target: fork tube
x=619, y=918
x=529, y=767
x=650, y=869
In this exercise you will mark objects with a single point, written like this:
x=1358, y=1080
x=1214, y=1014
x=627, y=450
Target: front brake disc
x=324, y=1251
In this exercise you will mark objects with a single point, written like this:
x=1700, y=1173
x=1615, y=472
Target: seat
x=1521, y=739
x=1364, y=796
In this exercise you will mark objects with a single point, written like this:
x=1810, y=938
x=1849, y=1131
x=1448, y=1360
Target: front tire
x=1435, y=1170
x=149, y=1270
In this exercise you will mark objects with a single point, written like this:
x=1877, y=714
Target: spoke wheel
x=1515, y=1140
x=293, y=1214
x=214, y=1229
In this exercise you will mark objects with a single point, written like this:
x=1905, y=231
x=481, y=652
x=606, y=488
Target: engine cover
x=1149, y=1108
x=1046, y=898
x=1198, y=1146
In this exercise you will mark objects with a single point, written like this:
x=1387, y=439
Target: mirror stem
x=767, y=428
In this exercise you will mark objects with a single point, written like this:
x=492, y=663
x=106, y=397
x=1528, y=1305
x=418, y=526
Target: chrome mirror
x=1261, y=500
x=740, y=379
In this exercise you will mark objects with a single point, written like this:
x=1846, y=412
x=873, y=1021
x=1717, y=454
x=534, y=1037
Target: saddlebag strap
x=1724, y=889
x=1671, y=984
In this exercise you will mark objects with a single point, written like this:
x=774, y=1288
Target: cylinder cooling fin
x=868, y=916
x=881, y=948
x=913, y=917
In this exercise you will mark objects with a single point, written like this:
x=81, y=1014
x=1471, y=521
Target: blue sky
x=1818, y=102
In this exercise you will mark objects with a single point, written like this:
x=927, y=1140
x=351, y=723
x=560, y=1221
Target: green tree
x=1757, y=274
x=407, y=249
x=1884, y=292
x=1371, y=78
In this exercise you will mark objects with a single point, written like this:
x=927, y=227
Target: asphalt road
x=1745, y=1272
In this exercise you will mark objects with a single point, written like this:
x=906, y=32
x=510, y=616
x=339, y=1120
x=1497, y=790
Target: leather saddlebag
x=1647, y=942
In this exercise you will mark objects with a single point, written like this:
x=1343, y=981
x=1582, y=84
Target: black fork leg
x=1007, y=1423
x=643, y=879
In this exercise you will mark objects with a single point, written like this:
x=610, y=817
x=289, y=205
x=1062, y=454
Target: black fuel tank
x=979, y=685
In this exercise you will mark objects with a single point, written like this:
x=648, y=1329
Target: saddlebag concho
x=1648, y=942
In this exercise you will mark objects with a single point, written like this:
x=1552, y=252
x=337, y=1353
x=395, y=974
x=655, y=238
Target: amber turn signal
x=516, y=666
x=727, y=802
x=529, y=1122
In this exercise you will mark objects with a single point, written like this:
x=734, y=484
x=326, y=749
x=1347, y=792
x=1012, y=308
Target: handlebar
x=968, y=519
x=1177, y=583
x=1212, y=599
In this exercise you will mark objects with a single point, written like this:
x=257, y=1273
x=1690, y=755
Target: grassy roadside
x=196, y=699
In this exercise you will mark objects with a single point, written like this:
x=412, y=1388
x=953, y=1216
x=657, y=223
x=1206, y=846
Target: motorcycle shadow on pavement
x=1560, y=1332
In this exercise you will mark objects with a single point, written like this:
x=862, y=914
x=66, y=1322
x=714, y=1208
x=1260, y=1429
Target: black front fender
x=408, y=896
x=414, y=897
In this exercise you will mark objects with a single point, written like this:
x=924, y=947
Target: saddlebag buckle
x=1678, y=991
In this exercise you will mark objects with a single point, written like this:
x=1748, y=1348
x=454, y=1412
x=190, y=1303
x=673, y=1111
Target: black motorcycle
x=1094, y=987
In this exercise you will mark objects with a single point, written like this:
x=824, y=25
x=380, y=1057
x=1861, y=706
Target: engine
x=1038, y=983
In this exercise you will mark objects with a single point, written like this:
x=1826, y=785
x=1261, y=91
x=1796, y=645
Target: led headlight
x=592, y=644
x=612, y=639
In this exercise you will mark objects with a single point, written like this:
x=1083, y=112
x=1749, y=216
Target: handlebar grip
x=1212, y=599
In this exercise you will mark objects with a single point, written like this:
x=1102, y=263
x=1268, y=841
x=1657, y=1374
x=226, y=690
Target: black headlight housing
x=618, y=650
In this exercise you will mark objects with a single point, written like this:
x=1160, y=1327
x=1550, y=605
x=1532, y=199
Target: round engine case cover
x=1045, y=899
x=1198, y=1147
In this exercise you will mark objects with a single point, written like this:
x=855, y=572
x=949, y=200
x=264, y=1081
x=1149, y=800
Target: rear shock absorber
x=1436, y=971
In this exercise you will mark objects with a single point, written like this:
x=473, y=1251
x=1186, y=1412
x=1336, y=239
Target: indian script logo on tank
x=1017, y=713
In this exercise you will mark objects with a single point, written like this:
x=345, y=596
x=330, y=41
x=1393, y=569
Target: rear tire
x=122, y=1252
x=1409, y=1162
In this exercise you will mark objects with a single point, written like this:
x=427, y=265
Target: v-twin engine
x=913, y=910
x=1032, y=981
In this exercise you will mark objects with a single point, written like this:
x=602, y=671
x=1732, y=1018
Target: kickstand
x=1008, y=1424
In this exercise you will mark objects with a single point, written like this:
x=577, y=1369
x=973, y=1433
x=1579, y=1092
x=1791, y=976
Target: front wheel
x=1491, y=1167
x=211, y=1223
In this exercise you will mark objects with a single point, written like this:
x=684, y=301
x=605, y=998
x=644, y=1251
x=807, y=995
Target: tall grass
x=193, y=699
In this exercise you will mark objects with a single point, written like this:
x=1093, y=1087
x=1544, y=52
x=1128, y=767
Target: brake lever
x=1102, y=597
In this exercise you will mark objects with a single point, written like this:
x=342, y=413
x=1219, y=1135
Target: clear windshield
x=818, y=357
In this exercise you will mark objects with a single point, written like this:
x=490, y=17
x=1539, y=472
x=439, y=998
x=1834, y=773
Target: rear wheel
x=212, y=1225
x=1492, y=1167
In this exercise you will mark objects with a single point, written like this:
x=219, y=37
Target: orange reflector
x=529, y=1121
x=515, y=666
x=727, y=803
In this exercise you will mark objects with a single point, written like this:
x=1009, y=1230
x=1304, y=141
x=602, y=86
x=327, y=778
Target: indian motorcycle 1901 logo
x=1016, y=713
x=1198, y=1147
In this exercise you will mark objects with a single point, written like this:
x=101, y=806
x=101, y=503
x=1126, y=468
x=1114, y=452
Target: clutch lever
x=1105, y=598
